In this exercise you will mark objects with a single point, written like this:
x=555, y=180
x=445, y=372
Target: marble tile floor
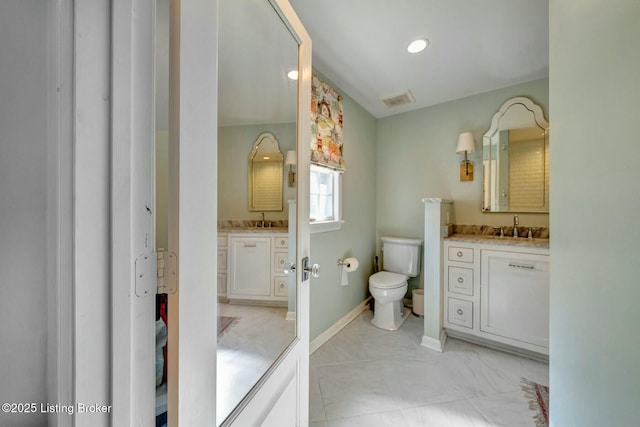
x=247, y=349
x=365, y=376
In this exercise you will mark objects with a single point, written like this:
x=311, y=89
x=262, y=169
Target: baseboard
x=291, y=315
x=540, y=357
x=257, y=302
x=435, y=344
x=338, y=326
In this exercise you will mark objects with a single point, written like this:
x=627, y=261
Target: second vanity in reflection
x=251, y=266
x=497, y=289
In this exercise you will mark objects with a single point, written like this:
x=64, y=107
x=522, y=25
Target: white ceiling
x=475, y=46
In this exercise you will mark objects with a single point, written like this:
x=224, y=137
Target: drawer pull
x=460, y=312
x=460, y=280
x=250, y=245
x=281, y=285
x=282, y=242
x=526, y=267
x=459, y=253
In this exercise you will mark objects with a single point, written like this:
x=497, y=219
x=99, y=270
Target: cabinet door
x=249, y=267
x=514, y=296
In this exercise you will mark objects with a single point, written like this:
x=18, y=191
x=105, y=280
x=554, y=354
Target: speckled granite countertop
x=252, y=230
x=251, y=226
x=497, y=240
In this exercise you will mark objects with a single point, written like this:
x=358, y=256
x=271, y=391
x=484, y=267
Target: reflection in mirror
x=257, y=107
x=515, y=159
x=265, y=174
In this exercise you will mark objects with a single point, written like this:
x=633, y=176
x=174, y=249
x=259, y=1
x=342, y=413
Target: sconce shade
x=465, y=143
x=290, y=160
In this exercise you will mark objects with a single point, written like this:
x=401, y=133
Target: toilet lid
x=386, y=279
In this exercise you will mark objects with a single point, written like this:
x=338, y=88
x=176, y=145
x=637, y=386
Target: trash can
x=418, y=302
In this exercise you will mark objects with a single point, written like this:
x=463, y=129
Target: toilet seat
x=388, y=280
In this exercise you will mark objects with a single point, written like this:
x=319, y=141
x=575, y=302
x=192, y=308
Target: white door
x=282, y=398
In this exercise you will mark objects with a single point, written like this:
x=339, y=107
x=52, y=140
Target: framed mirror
x=515, y=159
x=257, y=123
x=265, y=174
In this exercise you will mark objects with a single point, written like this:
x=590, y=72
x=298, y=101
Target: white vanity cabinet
x=249, y=267
x=514, y=296
x=255, y=267
x=497, y=292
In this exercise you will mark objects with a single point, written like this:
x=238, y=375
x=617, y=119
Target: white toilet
x=400, y=260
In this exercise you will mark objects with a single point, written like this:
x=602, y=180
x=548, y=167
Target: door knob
x=314, y=270
x=289, y=267
x=307, y=269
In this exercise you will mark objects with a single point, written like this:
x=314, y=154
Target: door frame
x=132, y=195
x=60, y=206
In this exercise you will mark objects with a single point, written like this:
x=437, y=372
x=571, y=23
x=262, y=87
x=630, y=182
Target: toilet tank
x=400, y=255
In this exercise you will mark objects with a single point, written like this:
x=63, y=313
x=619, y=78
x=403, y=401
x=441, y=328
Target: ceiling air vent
x=398, y=100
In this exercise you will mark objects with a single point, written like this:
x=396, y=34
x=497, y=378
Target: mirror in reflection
x=257, y=107
x=265, y=174
x=515, y=159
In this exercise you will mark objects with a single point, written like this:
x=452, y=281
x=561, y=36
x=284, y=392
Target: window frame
x=336, y=222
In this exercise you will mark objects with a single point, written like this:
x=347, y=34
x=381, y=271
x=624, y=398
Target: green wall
x=329, y=300
x=595, y=199
x=416, y=158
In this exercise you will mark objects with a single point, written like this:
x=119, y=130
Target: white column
x=437, y=213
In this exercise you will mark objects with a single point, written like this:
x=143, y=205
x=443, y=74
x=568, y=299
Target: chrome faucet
x=516, y=222
x=261, y=220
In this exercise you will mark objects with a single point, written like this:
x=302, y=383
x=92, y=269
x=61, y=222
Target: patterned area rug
x=224, y=323
x=538, y=396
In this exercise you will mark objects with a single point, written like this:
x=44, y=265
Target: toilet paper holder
x=341, y=262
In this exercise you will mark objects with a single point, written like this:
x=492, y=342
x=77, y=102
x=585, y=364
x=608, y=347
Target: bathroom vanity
x=496, y=290
x=251, y=266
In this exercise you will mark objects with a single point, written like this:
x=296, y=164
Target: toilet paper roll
x=348, y=265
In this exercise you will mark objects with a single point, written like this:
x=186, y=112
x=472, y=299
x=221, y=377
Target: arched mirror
x=265, y=174
x=515, y=159
x=257, y=108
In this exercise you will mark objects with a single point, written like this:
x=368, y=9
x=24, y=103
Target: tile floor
x=365, y=376
x=247, y=349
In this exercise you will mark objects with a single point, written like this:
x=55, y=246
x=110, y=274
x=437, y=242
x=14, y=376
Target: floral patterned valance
x=326, y=125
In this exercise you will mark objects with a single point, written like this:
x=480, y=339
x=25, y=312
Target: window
x=324, y=207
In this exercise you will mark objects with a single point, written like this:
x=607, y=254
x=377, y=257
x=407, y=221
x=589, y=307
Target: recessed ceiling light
x=293, y=74
x=417, y=45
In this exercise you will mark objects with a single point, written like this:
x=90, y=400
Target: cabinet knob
x=460, y=279
x=459, y=253
x=282, y=242
x=281, y=285
x=460, y=312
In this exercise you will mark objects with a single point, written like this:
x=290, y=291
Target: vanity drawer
x=279, y=260
x=460, y=254
x=280, y=286
x=281, y=242
x=461, y=280
x=460, y=312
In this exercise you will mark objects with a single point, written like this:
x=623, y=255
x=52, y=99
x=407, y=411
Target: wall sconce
x=466, y=145
x=290, y=161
